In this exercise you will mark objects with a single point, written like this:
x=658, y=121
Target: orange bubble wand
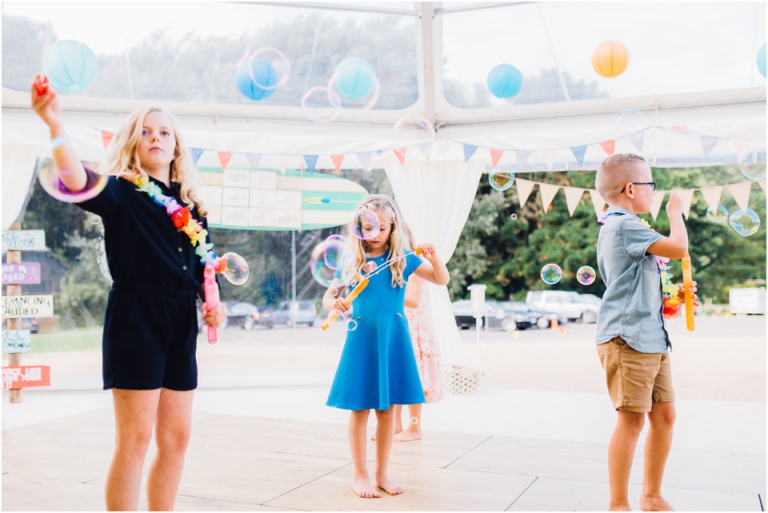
x=687, y=286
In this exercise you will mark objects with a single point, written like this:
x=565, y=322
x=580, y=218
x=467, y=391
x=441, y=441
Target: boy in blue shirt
x=631, y=340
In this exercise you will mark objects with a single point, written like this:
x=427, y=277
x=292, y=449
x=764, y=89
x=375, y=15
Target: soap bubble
x=586, y=275
x=628, y=118
x=370, y=266
x=237, y=271
x=551, y=274
x=717, y=215
x=357, y=84
x=277, y=61
x=745, y=222
x=50, y=177
x=513, y=217
x=330, y=258
x=352, y=325
x=754, y=172
x=321, y=104
x=501, y=177
x=365, y=224
x=411, y=122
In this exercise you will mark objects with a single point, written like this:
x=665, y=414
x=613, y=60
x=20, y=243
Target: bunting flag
x=712, y=196
x=597, y=201
x=707, y=143
x=740, y=192
x=400, y=154
x=687, y=196
x=311, y=161
x=608, y=147
x=548, y=192
x=365, y=159
x=282, y=162
x=469, y=150
x=337, y=162
x=224, y=158
x=522, y=158
x=578, y=152
x=106, y=138
x=658, y=199
x=573, y=198
x=196, y=152
x=253, y=160
x=426, y=149
x=495, y=156
x=761, y=183
x=549, y=156
x=444, y=145
x=741, y=148
x=524, y=188
x=637, y=139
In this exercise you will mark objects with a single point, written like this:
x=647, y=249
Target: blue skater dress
x=377, y=366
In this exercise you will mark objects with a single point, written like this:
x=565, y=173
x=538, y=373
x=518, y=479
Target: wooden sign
x=15, y=378
x=16, y=341
x=24, y=240
x=16, y=307
x=24, y=274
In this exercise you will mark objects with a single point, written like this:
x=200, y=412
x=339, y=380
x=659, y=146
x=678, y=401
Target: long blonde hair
x=123, y=156
x=387, y=208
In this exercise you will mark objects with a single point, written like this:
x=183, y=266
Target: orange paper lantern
x=610, y=59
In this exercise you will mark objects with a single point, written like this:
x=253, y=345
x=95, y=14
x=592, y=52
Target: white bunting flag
x=549, y=157
x=597, y=201
x=742, y=148
x=658, y=199
x=687, y=196
x=572, y=198
x=524, y=188
x=282, y=162
x=365, y=159
x=444, y=145
x=548, y=192
x=522, y=158
x=740, y=192
x=761, y=183
x=426, y=149
x=712, y=196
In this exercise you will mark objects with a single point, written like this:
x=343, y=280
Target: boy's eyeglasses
x=652, y=184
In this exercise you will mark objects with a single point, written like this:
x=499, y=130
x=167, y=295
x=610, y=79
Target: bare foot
x=385, y=484
x=654, y=503
x=408, y=435
x=364, y=489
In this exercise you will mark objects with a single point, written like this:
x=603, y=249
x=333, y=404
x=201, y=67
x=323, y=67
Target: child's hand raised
x=675, y=204
x=428, y=252
x=46, y=105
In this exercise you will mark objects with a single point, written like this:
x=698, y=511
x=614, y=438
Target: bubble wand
x=41, y=84
x=687, y=286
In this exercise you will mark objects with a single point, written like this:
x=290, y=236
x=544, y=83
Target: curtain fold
x=18, y=172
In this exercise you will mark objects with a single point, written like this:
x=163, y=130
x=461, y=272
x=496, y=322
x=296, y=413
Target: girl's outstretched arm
x=433, y=270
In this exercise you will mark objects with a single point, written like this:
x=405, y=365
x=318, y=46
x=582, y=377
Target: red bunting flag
x=337, y=162
x=495, y=156
x=608, y=146
x=224, y=157
x=400, y=154
x=106, y=138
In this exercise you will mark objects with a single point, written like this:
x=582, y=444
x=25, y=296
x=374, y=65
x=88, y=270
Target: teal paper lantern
x=505, y=81
x=354, y=78
x=71, y=66
x=256, y=79
x=761, y=60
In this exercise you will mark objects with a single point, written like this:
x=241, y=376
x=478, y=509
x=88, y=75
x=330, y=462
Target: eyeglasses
x=652, y=184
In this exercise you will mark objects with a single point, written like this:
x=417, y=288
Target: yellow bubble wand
x=687, y=286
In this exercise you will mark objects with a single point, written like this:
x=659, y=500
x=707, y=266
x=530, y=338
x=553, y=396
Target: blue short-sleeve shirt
x=632, y=303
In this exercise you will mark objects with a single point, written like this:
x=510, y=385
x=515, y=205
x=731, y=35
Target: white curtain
x=435, y=199
x=18, y=170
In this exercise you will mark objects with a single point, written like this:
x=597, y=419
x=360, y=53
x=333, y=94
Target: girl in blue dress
x=377, y=367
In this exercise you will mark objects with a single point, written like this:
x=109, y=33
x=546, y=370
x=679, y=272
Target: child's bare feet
x=408, y=435
x=654, y=503
x=385, y=484
x=364, y=489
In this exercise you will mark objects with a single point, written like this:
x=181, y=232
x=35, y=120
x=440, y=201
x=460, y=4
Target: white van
x=570, y=304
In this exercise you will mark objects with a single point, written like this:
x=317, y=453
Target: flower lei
x=183, y=221
x=670, y=292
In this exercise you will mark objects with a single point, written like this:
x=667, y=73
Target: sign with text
x=24, y=240
x=16, y=341
x=15, y=378
x=16, y=307
x=24, y=274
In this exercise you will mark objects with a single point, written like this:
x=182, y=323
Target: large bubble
x=275, y=63
x=745, y=222
x=754, y=172
x=357, y=84
x=332, y=263
x=50, y=177
x=365, y=224
x=717, y=215
x=585, y=275
x=321, y=104
x=551, y=274
x=413, y=122
x=237, y=270
x=501, y=177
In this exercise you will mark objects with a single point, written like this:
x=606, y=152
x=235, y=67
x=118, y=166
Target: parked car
x=521, y=313
x=493, y=314
x=294, y=313
x=570, y=304
x=247, y=316
x=540, y=318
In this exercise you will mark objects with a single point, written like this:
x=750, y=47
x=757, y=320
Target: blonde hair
x=408, y=234
x=614, y=172
x=123, y=156
x=387, y=208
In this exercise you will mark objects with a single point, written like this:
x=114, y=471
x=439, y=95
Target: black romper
x=150, y=325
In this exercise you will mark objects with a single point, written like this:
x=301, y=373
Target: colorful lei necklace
x=670, y=292
x=183, y=221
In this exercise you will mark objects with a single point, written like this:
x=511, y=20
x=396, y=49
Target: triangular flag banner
x=253, y=160
x=761, y=183
x=608, y=146
x=495, y=156
x=712, y=196
x=740, y=192
x=597, y=201
x=658, y=199
x=282, y=162
x=311, y=161
x=741, y=148
x=578, y=152
x=365, y=159
x=106, y=138
x=337, y=162
x=444, y=145
x=524, y=188
x=522, y=158
x=426, y=149
x=196, y=152
x=548, y=192
x=687, y=196
x=224, y=158
x=572, y=198
x=469, y=150
x=550, y=159
x=400, y=154
x=707, y=143
x=637, y=139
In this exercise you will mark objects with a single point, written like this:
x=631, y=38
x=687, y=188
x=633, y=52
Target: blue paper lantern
x=354, y=78
x=71, y=66
x=761, y=60
x=254, y=73
x=505, y=81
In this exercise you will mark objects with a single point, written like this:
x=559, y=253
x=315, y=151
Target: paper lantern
x=354, y=78
x=610, y=59
x=254, y=73
x=71, y=66
x=505, y=81
x=761, y=60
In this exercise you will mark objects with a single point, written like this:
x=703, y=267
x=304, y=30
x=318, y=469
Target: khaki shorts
x=635, y=380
